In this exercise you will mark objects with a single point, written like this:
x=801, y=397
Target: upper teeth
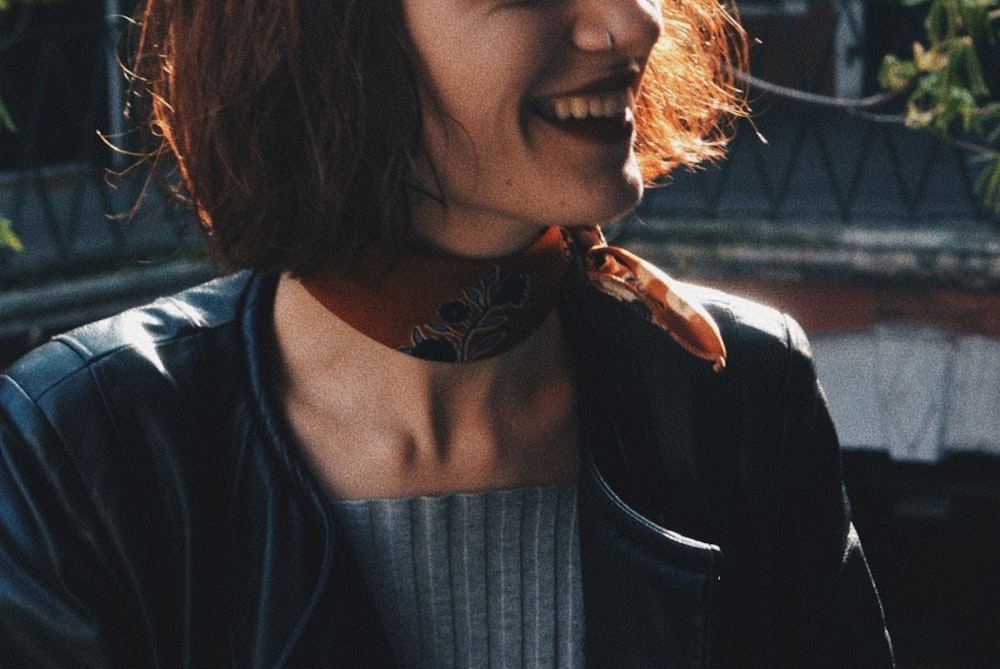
x=589, y=106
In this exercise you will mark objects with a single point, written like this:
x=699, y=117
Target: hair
x=689, y=99
x=295, y=125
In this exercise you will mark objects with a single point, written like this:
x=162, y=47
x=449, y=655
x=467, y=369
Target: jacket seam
x=89, y=360
x=57, y=444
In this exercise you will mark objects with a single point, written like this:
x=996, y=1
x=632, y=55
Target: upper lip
x=612, y=83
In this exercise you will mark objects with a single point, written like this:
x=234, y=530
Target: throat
x=448, y=308
x=499, y=424
x=373, y=423
x=457, y=442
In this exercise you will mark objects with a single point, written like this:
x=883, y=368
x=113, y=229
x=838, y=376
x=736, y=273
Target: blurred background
x=876, y=236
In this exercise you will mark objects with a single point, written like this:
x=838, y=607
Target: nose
x=629, y=27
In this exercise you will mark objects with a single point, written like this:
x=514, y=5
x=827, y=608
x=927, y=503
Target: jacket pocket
x=649, y=593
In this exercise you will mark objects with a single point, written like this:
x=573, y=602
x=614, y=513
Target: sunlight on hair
x=689, y=100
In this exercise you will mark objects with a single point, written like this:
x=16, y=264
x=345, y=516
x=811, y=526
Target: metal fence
x=60, y=79
x=822, y=166
x=824, y=163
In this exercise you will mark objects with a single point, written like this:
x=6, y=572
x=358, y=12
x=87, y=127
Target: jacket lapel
x=650, y=569
x=639, y=395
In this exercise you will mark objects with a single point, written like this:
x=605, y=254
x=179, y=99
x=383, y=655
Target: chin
x=617, y=203
x=604, y=214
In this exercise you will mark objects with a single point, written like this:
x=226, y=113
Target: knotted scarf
x=453, y=309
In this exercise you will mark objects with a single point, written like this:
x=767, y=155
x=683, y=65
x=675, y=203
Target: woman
x=438, y=422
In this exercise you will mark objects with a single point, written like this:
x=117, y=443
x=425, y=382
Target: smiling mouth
x=605, y=117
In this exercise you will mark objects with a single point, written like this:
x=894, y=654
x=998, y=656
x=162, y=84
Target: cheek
x=473, y=112
x=478, y=67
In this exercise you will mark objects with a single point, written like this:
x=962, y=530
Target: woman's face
x=528, y=115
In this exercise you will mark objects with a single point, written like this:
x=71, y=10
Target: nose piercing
x=611, y=40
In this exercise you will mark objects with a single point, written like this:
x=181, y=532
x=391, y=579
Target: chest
x=402, y=443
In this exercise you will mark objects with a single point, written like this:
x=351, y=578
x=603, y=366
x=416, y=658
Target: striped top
x=489, y=579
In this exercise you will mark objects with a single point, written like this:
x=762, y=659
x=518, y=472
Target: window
x=55, y=67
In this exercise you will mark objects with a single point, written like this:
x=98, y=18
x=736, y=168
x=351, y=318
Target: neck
x=447, y=308
x=466, y=232
x=422, y=427
x=314, y=341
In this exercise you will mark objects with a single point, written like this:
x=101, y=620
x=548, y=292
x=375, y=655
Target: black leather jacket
x=153, y=511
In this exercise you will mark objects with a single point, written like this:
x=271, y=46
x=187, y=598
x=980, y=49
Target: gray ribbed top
x=487, y=579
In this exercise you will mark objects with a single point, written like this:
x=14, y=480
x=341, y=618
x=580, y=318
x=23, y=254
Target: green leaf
x=6, y=120
x=896, y=74
x=917, y=117
x=966, y=66
x=990, y=183
x=936, y=23
x=7, y=237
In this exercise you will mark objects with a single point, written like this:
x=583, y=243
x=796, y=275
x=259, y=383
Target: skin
x=375, y=423
x=504, y=172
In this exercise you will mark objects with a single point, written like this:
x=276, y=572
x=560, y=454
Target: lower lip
x=598, y=131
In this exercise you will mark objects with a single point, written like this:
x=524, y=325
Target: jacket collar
x=637, y=394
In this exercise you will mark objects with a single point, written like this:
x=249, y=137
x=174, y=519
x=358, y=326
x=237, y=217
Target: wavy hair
x=295, y=125
x=689, y=99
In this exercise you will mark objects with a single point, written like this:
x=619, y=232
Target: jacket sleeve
x=826, y=597
x=747, y=460
x=60, y=604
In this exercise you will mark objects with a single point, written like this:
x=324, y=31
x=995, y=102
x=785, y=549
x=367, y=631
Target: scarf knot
x=453, y=309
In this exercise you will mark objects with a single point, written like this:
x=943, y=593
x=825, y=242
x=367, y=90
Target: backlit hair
x=295, y=125
x=689, y=100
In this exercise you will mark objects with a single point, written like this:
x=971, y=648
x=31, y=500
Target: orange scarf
x=453, y=309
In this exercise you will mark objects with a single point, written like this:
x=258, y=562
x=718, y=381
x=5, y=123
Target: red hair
x=296, y=125
x=689, y=100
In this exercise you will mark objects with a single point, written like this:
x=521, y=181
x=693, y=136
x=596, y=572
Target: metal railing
x=60, y=79
x=826, y=163
x=825, y=166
